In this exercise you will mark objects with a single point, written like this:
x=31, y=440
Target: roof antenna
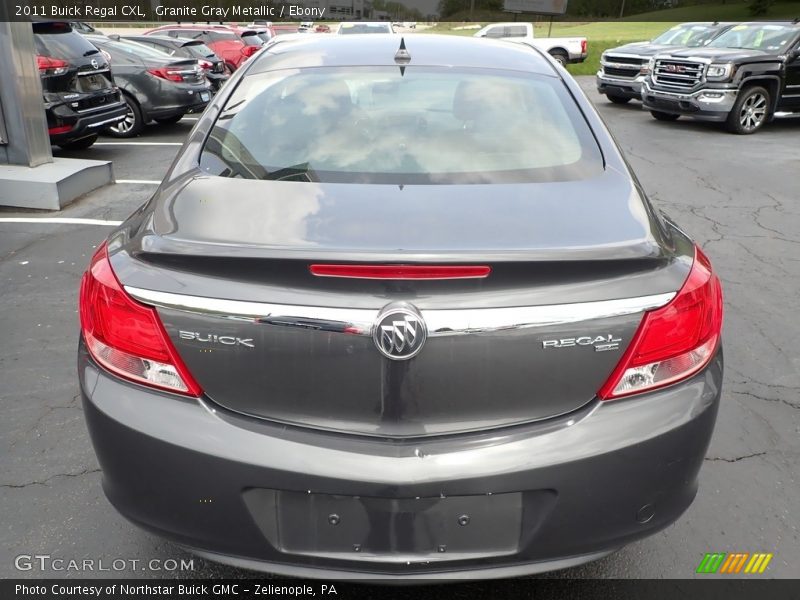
x=402, y=57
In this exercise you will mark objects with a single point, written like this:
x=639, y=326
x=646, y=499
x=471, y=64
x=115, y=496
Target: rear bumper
x=711, y=104
x=178, y=99
x=618, y=86
x=83, y=124
x=539, y=497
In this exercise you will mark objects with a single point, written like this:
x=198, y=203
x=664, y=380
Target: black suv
x=80, y=98
x=745, y=78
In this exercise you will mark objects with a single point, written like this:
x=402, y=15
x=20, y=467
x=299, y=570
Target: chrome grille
x=678, y=74
x=624, y=60
x=622, y=67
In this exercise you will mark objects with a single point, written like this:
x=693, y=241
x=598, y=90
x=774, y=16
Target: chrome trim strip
x=440, y=322
x=106, y=122
x=97, y=72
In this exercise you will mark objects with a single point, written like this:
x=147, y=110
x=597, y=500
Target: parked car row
x=93, y=83
x=741, y=74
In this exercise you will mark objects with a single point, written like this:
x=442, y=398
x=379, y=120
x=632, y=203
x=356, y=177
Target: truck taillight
x=675, y=341
x=248, y=51
x=583, y=46
x=125, y=337
x=51, y=66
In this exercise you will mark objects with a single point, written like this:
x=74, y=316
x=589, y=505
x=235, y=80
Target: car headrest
x=329, y=98
x=476, y=100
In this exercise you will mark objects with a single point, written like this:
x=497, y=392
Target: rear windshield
x=387, y=125
x=135, y=48
x=692, y=36
x=251, y=38
x=198, y=49
x=769, y=38
x=59, y=41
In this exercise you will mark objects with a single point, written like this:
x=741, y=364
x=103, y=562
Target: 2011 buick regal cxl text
x=404, y=317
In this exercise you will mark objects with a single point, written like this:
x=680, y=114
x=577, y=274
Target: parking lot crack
x=734, y=459
x=49, y=479
x=766, y=398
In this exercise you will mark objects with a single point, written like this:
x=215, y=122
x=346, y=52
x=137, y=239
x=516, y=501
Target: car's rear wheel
x=560, y=57
x=618, y=99
x=750, y=111
x=662, y=116
x=132, y=124
x=80, y=144
x=169, y=120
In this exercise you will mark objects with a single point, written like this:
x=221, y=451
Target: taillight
x=401, y=271
x=248, y=51
x=59, y=129
x=166, y=73
x=51, y=66
x=583, y=46
x=126, y=337
x=674, y=341
x=205, y=64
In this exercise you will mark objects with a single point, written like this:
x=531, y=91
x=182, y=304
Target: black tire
x=560, y=57
x=133, y=123
x=750, y=111
x=662, y=116
x=230, y=68
x=169, y=120
x=618, y=99
x=81, y=144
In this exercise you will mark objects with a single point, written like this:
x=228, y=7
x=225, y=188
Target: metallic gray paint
x=321, y=412
x=604, y=461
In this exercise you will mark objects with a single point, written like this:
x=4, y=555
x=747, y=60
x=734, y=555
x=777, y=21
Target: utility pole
x=622, y=9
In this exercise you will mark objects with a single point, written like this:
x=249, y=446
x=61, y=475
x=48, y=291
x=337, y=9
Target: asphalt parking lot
x=736, y=195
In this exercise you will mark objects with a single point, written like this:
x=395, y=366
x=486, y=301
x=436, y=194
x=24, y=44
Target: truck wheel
x=750, y=111
x=131, y=125
x=81, y=144
x=662, y=116
x=618, y=99
x=560, y=57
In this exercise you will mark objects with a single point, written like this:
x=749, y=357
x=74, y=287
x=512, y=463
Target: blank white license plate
x=205, y=96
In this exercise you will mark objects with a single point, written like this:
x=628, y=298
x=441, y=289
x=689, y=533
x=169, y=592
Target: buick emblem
x=95, y=64
x=399, y=332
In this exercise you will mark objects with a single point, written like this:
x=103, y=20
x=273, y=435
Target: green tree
x=759, y=8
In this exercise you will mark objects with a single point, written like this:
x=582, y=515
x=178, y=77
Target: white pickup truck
x=564, y=50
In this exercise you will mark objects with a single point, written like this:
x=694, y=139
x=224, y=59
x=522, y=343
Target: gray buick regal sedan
x=400, y=310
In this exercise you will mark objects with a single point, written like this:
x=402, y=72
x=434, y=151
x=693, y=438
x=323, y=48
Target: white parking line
x=141, y=181
x=59, y=221
x=138, y=144
x=191, y=118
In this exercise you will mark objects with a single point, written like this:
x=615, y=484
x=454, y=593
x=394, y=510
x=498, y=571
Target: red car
x=233, y=44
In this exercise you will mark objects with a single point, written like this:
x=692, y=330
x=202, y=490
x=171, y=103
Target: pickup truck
x=744, y=78
x=563, y=50
x=623, y=69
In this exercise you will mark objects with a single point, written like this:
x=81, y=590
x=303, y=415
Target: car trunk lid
x=227, y=263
